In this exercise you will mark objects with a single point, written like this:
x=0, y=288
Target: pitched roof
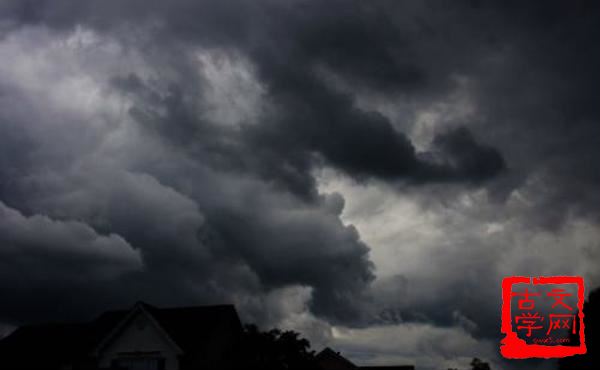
x=190, y=328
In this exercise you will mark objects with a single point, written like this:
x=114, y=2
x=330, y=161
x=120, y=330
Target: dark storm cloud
x=31, y=244
x=40, y=255
x=544, y=107
x=228, y=236
x=361, y=43
x=223, y=212
x=463, y=157
x=316, y=119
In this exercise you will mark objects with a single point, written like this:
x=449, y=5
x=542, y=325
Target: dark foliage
x=591, y=360
x=275, y=350
x=477, y=364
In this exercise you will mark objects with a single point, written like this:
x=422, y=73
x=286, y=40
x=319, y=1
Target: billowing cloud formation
x=121, y=158
x=199, y=151
x=40, y=254
x=38, y=243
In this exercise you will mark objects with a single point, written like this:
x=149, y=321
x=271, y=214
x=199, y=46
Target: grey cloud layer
x=186, y=135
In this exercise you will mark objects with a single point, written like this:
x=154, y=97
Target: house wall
x=139, y=336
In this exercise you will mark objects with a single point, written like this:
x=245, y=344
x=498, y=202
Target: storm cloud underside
x=349, y=169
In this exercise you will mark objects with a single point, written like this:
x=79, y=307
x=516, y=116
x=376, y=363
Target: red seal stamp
x=542, y=317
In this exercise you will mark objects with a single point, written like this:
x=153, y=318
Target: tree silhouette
x=275, y=350
x=591, y=360
x=477, y=364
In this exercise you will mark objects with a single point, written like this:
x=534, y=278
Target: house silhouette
x=141, y=338
x=145, y=337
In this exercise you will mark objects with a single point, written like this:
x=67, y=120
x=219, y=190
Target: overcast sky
x=364, y=172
